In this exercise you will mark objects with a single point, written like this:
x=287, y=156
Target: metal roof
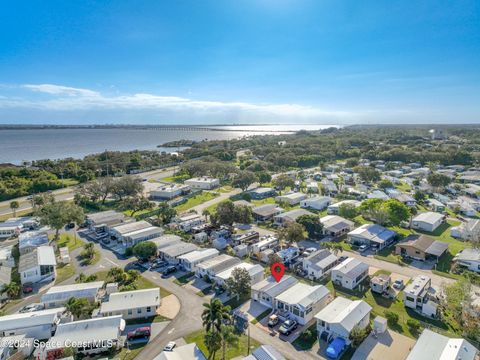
x=65, y=292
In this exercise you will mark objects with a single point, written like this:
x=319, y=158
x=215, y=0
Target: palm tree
x=214, y=315
x=213, y=342
x=78, y=307
x=14, y=205
x=11, y=289
x=116, y=274
x=228, y=338
x=206, y=213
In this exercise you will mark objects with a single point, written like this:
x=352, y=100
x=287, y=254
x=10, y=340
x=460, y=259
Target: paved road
x=402, y=270
x=69, y=192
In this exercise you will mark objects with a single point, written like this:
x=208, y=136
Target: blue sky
x=262, y=61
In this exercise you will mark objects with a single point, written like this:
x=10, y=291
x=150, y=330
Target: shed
x=379, y=325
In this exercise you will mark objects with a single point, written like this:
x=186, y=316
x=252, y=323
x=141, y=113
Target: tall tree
x=127, y=186
x=165, y=213
x=213, y=342
x=292, y=233
x=243, y=214
x=14, y=205
x=145, y=250
x=239, y=283
x=224, y=214
x=282, y=181
x=136, y=203
x=312, y=224
x=243, y=179
x=348, y=211
x=264, y=177
x=214, y=315
x=229, y=338
x=58, y=214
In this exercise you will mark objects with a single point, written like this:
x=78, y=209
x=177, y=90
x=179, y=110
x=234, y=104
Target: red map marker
x=277, y=269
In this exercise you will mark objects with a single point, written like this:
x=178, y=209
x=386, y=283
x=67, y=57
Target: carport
x=436, y=250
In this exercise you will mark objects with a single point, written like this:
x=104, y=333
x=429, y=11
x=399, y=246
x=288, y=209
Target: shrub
x=413, y=324
x=129, y=251
x=392, y=318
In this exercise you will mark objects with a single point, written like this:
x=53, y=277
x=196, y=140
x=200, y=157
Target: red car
x=27, y=288
x=139, y=333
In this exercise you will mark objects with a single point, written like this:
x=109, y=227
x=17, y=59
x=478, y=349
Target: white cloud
x=60, y=90
x=64, y=98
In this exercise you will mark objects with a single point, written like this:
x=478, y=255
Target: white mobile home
x=39, y=324
x=335, y=226
x=428, y=221
x=266, y=290
x=132, y=304
x=316, y=202
x=338, y=318
x=38, y=265
x=350, y=273
x=301, y=302
x=216, y=265
x=319, y=263
x=256, y=273
x=58, y=295
x=189, y=261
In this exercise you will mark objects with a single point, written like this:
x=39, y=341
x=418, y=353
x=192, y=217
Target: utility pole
x=106, y=158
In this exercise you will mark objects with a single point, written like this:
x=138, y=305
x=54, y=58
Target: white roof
x=440, y=347
x=42, y=255
x=204, y=179
x=336, y=222
x=131, y=227
x=293, y=196
x=18, y=321
x=91, y=330
x=373, y=232
x=345, y=312
x=320, y=259
x=351, y=267
x=131, y=300
x=251, y=268
x=198, y=255
x=303, y=294
x=64, y=292
x=185, y=352
x=273, y=288
x=267, y=352
x=429, y=217
x=417, y=285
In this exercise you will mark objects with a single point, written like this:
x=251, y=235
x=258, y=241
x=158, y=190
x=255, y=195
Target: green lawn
x=176, y=178
x=403, y=186
x=153, y=319
x=231, y=353
x=141, y=283
x=64, y=272
x=195, y=200
x=269, y=200
x=380, y=304
x=130, y=354
x=70, y=240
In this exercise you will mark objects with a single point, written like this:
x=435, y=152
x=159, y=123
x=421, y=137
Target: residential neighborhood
x=364, y=260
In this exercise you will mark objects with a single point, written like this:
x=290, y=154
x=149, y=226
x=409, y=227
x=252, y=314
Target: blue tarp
x=335, y=348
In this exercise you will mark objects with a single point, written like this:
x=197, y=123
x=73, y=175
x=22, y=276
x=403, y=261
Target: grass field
x=70, y=240
x=64, y=272
x=231, y=353
x=141, y=283
x=195, y=200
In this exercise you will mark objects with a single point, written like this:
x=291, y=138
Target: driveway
x=396, y=345
x=155, y=328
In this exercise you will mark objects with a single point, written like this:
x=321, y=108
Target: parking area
x=155, y=329
x=274, y=330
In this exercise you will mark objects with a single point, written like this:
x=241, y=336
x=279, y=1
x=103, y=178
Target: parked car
x=32, y=307
x=27, y=288
x=170, y=346
x=398, y=284
x=273, y=320
x=363, y=248
x=287, y=327
x=139, y=333
x=342, y=258
x=159, y=264
x=169, y=270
